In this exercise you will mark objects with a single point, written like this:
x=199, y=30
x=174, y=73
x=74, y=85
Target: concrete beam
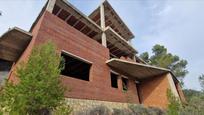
x=50, y=5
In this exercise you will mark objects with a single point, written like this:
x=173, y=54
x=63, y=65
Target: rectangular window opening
x=114, y=80
x=125, y=84
x=75, y=67
x=5, y=67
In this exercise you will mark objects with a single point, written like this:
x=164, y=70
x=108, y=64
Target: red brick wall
x=71, y=40
x=154, y=91
x=26, y=53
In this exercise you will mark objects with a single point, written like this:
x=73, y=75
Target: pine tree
x=161, y=58
x=201, y=80
x=39, y=90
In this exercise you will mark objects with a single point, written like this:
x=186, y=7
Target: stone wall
x=82, y=105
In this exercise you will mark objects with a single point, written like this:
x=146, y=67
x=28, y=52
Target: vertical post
x=103, y=38
x=50, y=5
x=134, y=58
x=120, y=84
x=102, y=16
x=103, y=26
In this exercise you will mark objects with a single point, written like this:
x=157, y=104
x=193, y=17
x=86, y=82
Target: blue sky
x=176, y=24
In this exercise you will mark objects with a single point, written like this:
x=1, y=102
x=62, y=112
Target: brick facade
x=71, y=40
x=154, y=91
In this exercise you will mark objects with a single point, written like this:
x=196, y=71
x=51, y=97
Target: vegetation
x=39, y=91
x=195, y=100
x=201, y=79
x=141, y=110
x=122, y=112
x=161, y=58
x=190, y=93
x=174, y=105
x=194, y=106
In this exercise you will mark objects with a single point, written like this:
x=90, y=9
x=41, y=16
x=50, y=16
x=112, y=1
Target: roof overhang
x=135, y=70
x=113, y=20
x=13, y=43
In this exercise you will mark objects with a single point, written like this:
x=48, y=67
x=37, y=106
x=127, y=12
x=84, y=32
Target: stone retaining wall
x=82, y=105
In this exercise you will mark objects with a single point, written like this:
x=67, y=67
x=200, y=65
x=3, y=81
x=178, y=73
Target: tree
x=195, y=106
x=201, y=80
x=161, y=58
x=190, y=93
x=174, y=105
x=39, y=90
x=145, y=57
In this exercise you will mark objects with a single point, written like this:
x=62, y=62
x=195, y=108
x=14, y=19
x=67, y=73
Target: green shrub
x=139, y=110
x=195, y=106
x=122, y=112
x=62, y=109
x=174, y=105
x=39, y=90
x=156, y=111
x=100, y=110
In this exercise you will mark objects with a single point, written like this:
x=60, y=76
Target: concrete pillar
x=120, y=84
x=134, y=58
x=102, y=16
x=50, y=5
x=103, y=38
x=103, y=26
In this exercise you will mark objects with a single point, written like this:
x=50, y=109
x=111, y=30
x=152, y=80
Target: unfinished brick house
x=101, y=65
